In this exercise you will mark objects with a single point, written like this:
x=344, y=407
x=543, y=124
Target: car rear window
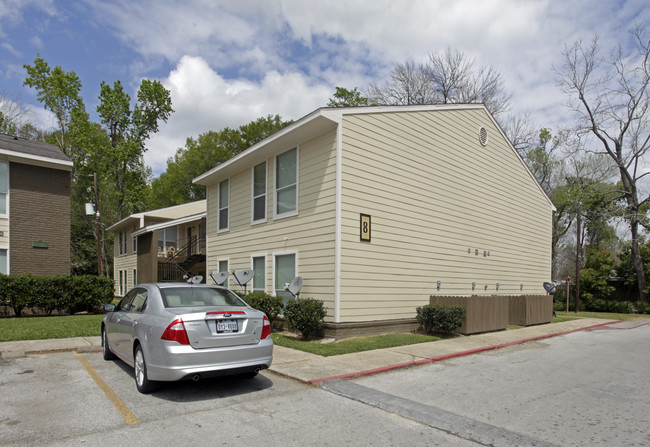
x=199, y=296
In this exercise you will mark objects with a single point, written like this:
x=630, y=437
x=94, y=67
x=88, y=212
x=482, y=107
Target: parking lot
x=53, y=399
x=581, y=388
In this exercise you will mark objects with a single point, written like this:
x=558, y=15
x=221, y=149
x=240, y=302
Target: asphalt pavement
x=314, y=369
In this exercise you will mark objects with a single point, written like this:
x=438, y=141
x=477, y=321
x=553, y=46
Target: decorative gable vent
x=483, y=136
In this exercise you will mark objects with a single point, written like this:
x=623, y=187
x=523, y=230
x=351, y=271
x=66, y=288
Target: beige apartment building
x=159, y=246
x=379, y=208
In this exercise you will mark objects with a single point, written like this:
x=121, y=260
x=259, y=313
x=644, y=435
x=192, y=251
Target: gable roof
x=163, y=214
x=38, y=153
x=326, y=118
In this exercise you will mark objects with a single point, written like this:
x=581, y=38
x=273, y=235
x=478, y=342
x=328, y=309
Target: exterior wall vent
x=483, y=136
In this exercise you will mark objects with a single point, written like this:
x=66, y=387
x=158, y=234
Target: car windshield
x=199, y=296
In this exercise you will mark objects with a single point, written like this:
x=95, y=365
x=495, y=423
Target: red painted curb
x=452, y=355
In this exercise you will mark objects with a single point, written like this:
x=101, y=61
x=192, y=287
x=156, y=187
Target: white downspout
x=337, y=236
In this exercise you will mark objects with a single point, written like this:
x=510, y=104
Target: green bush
x=61, y=293
x=642, y=307
x=600, y=305
x=559, y=306
x=305, y=315
x=439, y=318
x=269, y=304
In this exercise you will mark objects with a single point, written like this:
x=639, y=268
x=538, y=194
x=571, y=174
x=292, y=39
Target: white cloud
x=203, y=100
x=229, y=62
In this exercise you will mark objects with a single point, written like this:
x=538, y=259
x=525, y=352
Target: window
x=202, y=238
x=286, y=183
x=3, y=261
x=135, y=277
x=223, y=267
x=224, y=193
x=134, y=241
x=134, y=301
x=120, y=235
x=259, y=192
x=259, y=272
x=139, y=302
x=167, y=241
x=121, y=286
x=4, y=187
x=285, y=272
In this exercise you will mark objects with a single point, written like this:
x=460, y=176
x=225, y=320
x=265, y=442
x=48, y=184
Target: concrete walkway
x=314, y=369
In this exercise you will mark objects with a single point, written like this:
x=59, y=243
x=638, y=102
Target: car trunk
x=217, y=327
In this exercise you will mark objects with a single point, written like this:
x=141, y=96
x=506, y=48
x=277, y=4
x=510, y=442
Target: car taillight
x=266, y=328
x=176, y=332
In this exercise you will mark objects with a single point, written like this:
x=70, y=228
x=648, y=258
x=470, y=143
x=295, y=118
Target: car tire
x=142, y=382
x=108, y=354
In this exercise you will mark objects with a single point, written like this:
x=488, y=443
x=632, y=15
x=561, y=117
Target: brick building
x=35, y=182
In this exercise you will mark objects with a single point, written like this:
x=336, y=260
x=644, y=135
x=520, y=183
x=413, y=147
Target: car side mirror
x=109, y=307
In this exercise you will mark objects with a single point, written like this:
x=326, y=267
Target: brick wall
x=39, y=211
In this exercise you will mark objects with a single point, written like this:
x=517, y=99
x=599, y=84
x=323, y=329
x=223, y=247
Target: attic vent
x=483, y=136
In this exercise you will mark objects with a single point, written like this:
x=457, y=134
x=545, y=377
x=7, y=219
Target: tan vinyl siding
x=4, y=228
x=434, y=192
x=310, y=234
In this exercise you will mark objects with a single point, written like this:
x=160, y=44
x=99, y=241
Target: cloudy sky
x=229, y=62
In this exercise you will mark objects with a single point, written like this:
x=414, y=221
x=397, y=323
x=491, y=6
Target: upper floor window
x=4, y=187
x=224, y=199
x=259, y=192
x=122, y=244
x=167, y=241
x=286, y=183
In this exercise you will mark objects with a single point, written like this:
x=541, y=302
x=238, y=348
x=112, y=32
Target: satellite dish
x=198, y=279
x=294, y=287
x=549, y=287
x=242, y=277
x=220, y=278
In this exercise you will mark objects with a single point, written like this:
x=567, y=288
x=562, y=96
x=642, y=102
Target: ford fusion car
x=179, y=331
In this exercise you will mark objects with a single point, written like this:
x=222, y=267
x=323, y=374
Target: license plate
x=227, y=326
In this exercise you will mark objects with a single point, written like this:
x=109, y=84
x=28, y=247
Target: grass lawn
x=349, y=345
x=605, y=315
x=38, y=328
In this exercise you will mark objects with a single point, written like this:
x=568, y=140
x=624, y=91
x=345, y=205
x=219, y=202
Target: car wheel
x=143, y=384
x=108, y=354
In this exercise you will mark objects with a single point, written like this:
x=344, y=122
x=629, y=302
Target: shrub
x=269, y=304
x=305, y=315
x=61, y=293
x=599, y=305
x=642, y=307
x=439, y=318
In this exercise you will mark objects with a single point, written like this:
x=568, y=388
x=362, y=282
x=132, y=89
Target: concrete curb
x=440, y=358
x=20, y=349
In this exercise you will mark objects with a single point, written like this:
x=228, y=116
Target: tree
x=174, y=186
x=347, y=98
x=112, y=151
x=446, y=78
x=12, y=113
x=127, y=131
x=408, y=84
x=59, y=91
x=612, y=103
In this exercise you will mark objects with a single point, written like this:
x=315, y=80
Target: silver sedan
x=177, y=331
